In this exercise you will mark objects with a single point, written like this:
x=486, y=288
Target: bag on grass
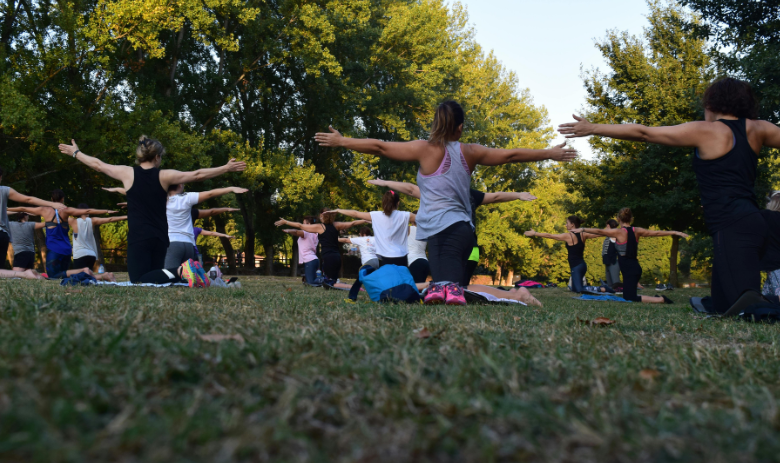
x=389, y=283
x=82, y=279
x=761, y=313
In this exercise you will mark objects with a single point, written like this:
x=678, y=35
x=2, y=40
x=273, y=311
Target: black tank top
x=329, y=240
x=146, y=203
x=727, y=184
x=630, y=248
x=576, y=251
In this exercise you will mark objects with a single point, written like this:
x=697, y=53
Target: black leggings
x=632, y=272
x=420, y=269
x=331, y=265
x=737, y=252
x=4, y=241
x=161, y=277
x=448, y=252
x=145, y=256
x=86, y=261
x=399, y=261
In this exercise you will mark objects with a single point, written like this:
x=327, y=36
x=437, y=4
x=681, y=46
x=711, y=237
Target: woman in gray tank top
x=444, y=176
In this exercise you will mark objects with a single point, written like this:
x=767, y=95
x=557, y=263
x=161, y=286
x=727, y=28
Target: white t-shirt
x=366, y=246
x=416, y=248
x=390, y=233
x=180, y=217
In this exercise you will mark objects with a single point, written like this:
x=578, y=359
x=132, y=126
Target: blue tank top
x=57, y=239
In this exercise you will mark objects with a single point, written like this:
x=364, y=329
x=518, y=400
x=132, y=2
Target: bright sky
x=547, y=42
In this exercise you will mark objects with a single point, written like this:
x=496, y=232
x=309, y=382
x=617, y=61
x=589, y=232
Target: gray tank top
x=84, y=241
x=444, y=195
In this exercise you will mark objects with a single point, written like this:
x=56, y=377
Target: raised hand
x=378, y=182
x=69, y=149
x=682, y=235
x=238, y=191
x=236, y=166
x=530, y=233
x=562, y=153
x=581, y=128
x=281, y=222
x=527, y=197
x=233, y=209
x=122, y=205
x=332, y=139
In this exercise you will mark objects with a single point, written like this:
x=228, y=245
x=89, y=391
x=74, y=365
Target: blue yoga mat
x=604, y=297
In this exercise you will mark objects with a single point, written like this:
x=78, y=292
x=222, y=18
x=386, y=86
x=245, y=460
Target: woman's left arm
x=352, y=213
x=653, y=233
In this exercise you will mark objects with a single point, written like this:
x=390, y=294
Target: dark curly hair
x=731, y=96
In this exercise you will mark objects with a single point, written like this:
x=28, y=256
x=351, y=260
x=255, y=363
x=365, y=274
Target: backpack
x=389, y=283
x=761, y=313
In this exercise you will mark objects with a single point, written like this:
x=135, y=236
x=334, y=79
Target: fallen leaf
x=422, y=333
x=222, y=337
x=649, y=374
x=73, y=291
x=289, y=290
x=517, y=319
x=602, y=321
x=331, y=303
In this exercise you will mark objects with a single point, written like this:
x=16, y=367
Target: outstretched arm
x=40, y=225
x=478, y=154
x=559, y=237
x=399, y=151
x=298, y=233
x=203, y=196
x=347, y=225
x=101, y=220
x=610, y=232
x=203, y=213
x=503, y=197
x=28, y=210
x=73, y=212
x=170, y=177
x=14, y=195
x=122, y=173
x=651, y=233
x=121, y=191
x=409, y=189
x=309, y=227
x=345, y=240
x=351, y=213
x=218, y=235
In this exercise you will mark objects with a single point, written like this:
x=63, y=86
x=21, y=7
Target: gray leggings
x=613, y=274
x=178, y=253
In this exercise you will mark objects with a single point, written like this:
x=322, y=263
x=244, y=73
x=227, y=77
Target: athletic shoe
x=436, y=294
x=202, y=274
x=189, y=273
x=670, y=287
x=660, y=287
x=667, y=300
x=455, y=295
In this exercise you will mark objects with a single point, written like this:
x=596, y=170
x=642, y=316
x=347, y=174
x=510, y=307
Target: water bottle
x=101, y=269
x=319, y=274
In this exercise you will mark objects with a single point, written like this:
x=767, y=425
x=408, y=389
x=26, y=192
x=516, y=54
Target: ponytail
x=390, y=202
x=446, y=122
x=625, y=215
x=576, y=221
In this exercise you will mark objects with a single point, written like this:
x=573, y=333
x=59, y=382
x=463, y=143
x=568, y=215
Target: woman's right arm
x=409, y=189
x=13, y=195
x=311, y=228
x=203, y=213
x=205, y=195
x=170, y=177
x=399, y=151
x=352, y=213
x=561, y=237
x=122, y=173
x=296, y=233
x=610, y=232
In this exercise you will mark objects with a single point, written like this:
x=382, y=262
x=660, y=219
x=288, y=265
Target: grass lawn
x=125, y=374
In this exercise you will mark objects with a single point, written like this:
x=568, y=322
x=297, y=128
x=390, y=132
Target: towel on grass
x=600, y=297
x=474, y=296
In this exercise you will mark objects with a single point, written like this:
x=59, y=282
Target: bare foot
x=31, y=275
x=523, y=295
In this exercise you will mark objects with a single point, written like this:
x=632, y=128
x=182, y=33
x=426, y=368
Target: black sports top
x=727, y=184
x=630, y=248
x=608, y=252
x=146, y=207
x=770, y=261
x=329, y=239
x=576, y=251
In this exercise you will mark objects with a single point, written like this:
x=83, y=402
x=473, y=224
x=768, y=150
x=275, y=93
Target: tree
x=655, y=81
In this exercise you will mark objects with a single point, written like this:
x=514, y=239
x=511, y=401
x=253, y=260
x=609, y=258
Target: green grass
x=121, y=374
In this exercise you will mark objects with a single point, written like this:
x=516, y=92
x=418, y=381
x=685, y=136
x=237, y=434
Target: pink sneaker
x=455, y=295
x=435, y=295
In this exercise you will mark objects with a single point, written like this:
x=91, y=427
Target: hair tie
x=392, y=192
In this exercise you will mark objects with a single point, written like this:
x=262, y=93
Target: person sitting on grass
x=627, y=246
x=23, y=241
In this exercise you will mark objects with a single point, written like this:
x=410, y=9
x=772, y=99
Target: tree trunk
x=673, y=260
x=510, y=275
x=269, y=259
x=40, y=241
x=294, y=262
x=497, y=279
x=230, y=253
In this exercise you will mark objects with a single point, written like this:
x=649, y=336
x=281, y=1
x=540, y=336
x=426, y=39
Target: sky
x=547, y=43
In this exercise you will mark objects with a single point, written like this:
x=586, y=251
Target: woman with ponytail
x=627, y=244
x=391, y=229
x=147, y=195
x=444, y=177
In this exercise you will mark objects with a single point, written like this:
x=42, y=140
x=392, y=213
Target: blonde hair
x=148, y=150
x=449, y=116
x=773, y=202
